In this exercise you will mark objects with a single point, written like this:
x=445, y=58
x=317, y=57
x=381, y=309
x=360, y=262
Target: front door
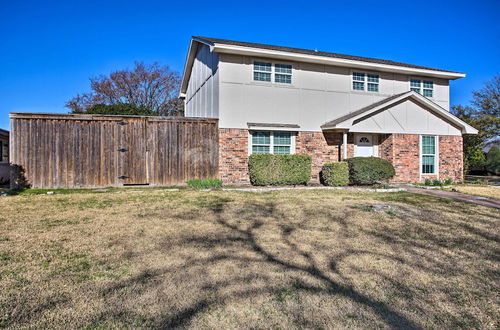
x=364, y=145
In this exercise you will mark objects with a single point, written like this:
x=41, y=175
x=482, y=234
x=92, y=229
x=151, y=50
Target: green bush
x=369, y=170
x=335, y=174
x=493, y=160
x=267, y=169
x=448, y=182
x=204, y=183
x=428, y=182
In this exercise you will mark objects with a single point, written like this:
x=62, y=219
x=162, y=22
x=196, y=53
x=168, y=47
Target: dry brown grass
x=299, y=259
x=484, y=191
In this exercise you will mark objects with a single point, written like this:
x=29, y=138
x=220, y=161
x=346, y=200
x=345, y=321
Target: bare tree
x=148, y=86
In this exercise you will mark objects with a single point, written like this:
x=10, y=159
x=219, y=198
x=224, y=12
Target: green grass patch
x=204, y=183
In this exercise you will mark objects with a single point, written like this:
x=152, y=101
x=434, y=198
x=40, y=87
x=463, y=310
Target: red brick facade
x=402, y=150
x=233, y=155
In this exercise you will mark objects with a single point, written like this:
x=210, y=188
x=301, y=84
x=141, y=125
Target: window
x=263, y=71
x=428, y=153
x=365, y=81
x=424, y=87
x=266, y=142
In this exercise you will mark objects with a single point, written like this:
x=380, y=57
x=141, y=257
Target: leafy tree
x=123, y=109
x=493, y=160
x=153, y=87
x=484, y=115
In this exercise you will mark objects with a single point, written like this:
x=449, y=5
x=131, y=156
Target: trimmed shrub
x=335, y=174
x=268, y=169
x=204, y=183
x=369, y=170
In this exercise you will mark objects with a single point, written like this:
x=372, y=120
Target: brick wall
x=451, y=160
x=233, y=155
x=402, y=150
x=322, y=147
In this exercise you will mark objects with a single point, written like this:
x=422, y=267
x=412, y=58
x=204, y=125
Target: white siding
x=406, y=118
x=202, y=96
x=318, y=93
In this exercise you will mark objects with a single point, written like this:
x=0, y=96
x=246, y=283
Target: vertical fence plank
x=69, y=151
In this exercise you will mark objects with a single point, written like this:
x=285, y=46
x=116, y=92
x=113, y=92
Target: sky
x=50, y=49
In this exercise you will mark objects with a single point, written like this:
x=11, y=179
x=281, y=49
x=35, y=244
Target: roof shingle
x=315, y=53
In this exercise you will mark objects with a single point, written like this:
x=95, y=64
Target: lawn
x=287, y=259
x=479, y=190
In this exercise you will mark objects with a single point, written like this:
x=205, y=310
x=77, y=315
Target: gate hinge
x=122, y=123
x=123, y=177
x=122, y=149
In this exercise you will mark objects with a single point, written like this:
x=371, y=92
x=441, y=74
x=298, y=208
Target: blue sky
x=50, y=49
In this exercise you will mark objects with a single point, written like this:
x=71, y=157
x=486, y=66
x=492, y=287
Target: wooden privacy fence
x=67, y=151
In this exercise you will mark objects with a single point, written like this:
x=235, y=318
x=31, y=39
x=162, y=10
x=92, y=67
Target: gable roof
x=346, y=121
x=214, y=41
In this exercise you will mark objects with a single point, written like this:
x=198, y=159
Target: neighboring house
x=282, y=100
x=4, y=156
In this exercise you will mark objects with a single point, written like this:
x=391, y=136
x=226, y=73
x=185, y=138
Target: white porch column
x=344, y=143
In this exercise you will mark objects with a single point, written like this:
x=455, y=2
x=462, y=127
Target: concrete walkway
x=483, y=201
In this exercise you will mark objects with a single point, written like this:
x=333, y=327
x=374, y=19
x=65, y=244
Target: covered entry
x=408, y=113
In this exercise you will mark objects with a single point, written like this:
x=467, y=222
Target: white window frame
x=261, y=71
x=273, y=73
x=421, y=87
x=271, y=142
x=365, y=81
x=436, y=155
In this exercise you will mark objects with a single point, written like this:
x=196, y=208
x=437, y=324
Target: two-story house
x=282, y=100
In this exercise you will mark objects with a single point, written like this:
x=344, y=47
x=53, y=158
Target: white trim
x=344, y=142
x=293, y=134
x=365, y=82
x=250, y=51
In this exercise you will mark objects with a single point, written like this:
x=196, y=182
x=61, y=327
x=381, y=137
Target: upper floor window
x=424, y=87
x=279, y=73
x=262, y=71
x=271, y=142
x=365, y=81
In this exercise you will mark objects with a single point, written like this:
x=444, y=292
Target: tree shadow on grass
x=239, y=231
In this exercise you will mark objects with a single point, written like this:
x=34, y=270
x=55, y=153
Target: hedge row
x=357, y=171
x=268, y=169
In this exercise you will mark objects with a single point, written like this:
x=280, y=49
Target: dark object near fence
x=66, y=151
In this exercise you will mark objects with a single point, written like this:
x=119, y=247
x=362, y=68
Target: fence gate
x=69, y=151
x=133, y=151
